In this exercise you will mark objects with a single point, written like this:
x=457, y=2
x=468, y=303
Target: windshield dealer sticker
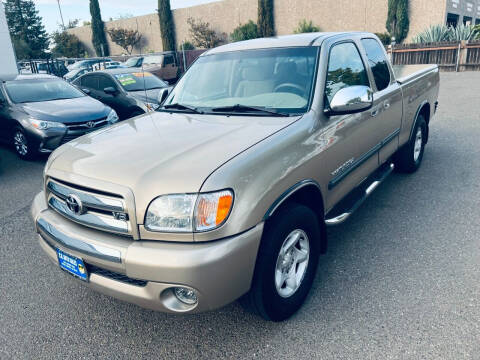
x=126, y=79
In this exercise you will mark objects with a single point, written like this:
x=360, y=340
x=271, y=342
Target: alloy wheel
x=292, y=263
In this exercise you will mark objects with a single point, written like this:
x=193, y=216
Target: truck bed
x=407, y=73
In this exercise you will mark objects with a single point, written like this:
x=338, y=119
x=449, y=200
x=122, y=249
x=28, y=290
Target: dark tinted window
x=378, y=62
x=90, y=81
x=35, y=90
x=345, y=68
x=105, y=81
x=168, y=60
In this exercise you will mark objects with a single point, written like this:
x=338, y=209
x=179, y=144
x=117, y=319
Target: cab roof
x=306, y=39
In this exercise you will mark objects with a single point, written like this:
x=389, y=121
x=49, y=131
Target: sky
x=79, y=9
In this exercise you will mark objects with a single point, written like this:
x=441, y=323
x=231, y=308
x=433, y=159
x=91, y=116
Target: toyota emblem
x=91, y=124
x=74, y=204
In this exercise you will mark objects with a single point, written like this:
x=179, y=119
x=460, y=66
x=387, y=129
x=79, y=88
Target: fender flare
x=420, y=107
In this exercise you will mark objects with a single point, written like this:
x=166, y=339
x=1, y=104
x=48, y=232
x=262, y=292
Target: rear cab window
x=378, y=63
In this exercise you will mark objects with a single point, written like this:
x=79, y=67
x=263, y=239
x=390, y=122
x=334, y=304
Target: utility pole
x=61, y=15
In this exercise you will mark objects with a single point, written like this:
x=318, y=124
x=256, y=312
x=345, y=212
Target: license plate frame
x=72, y=265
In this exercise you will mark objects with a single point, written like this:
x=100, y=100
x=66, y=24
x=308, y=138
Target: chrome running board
x=342, y=216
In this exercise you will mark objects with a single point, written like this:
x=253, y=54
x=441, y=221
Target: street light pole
x=61, y=15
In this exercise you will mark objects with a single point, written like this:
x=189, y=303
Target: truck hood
x=162, y=153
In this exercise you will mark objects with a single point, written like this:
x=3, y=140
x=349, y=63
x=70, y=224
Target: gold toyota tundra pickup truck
x=226, y=190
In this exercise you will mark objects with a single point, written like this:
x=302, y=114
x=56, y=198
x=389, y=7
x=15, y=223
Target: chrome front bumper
x=219, y=271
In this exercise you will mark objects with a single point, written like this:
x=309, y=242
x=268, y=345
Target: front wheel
x=409, y=158
x=286, y=263
x=22, y=145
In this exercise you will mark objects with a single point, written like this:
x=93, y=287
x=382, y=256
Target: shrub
x=439, y=33
x=187, y=45
x=385, y=38
x=245, y=32
x=306, y=27
x=462, y=32
x=202, y=35
x=127, y=39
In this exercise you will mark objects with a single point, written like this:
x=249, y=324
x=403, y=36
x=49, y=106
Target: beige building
x=330, y=15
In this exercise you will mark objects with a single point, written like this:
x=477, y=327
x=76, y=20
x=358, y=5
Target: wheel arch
x=306, y=192
x=424, y=110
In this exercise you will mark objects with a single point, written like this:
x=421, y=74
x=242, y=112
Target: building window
x=477, y=22
x=467, y=20
x=452, y=19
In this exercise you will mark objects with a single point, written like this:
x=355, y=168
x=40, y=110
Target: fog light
x=185, y=295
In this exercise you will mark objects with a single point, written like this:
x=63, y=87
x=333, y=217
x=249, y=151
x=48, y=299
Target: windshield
x=79, y=64
x=139, y=81
x=35, y=90
x=277, y=79
x=153, y=60
x=132, y=62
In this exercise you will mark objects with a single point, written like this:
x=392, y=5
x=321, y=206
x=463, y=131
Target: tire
x=409, y=158
x=22, y=146
x=270, y=296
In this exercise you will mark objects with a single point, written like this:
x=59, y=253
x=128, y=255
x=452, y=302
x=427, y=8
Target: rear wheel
x=286, y=263
x=409, y=158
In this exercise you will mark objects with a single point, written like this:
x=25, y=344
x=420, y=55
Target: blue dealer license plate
x=72, y=264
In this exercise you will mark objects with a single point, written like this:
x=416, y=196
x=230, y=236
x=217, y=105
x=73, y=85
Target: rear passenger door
x=387, y=99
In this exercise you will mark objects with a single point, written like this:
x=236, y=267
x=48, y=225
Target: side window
x=167, y=60
x=378, y=63
x=105, y=81
x=90, y=82
x=345, y=68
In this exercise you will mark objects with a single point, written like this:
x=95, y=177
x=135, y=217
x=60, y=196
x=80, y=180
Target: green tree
x=29, y=37
x=245, y=32
x=166, y=25
x=99, y=39
x=306, y=27
x=265, y=18
x=397, y=19
x=125, y=38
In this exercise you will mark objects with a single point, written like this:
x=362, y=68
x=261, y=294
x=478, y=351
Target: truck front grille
x=98, y=210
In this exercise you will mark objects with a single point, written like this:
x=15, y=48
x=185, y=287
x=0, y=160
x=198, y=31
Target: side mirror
x=86, y=91
x=350, y=100
x=162, y=95
x=110, y=90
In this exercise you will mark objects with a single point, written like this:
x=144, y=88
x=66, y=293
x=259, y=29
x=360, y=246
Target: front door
x=352, y=149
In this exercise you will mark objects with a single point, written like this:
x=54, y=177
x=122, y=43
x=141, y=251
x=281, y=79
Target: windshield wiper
x=182, y=107
x=245, y=108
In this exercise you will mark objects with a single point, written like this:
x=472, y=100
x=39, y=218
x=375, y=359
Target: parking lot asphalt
x=401, y=278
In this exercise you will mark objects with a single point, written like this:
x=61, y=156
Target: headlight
x=189, y=212
x=44, y=125
x=112, y=117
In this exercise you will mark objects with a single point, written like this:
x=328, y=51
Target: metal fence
x=450, y=56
